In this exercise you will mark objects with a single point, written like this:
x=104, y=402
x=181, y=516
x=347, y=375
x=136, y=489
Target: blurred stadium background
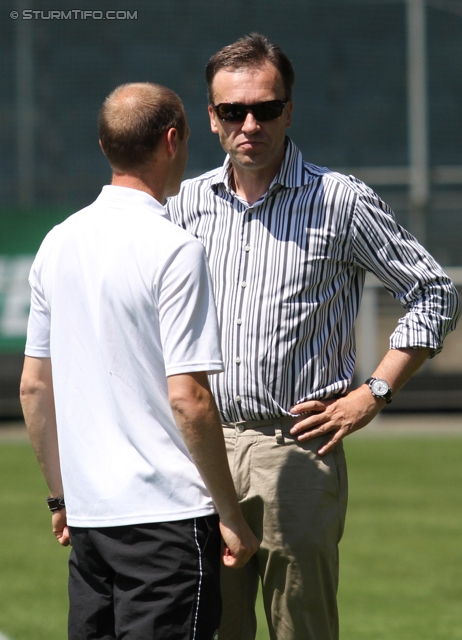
x=378, y=94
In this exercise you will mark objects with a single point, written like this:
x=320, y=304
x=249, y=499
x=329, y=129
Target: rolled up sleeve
x=409, y=273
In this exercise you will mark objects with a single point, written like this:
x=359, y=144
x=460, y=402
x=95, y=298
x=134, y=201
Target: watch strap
x=56, y=504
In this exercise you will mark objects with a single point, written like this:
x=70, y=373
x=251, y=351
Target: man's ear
x=213, y=119
x=101, y=147
x=171, y=141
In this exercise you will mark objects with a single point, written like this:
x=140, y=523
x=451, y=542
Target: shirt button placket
x=243, y=286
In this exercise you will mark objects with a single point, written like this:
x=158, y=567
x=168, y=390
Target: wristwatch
x=380, y=389
x=55, y=504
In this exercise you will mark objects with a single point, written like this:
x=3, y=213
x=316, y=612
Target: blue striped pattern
x=288, y=275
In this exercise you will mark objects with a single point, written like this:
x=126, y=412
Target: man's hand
x=341, y=416
x=240, y=544
x=60, y=528
x=355, y=410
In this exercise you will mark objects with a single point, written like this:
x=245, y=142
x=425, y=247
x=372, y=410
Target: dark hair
x=250, y=51
x=132, y=121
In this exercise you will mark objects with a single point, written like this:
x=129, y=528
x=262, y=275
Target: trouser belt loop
x=279, y=436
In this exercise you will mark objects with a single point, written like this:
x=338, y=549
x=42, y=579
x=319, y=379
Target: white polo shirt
x=121, y=298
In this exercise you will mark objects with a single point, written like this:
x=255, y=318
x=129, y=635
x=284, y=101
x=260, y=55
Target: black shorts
x=146, y=582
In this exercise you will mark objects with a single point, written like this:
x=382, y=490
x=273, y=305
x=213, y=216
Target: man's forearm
x=399, y=365
x=37, y=402
x=198, y=420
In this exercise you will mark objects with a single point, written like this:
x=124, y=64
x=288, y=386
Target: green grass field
x=33, y=567
x=401, y=556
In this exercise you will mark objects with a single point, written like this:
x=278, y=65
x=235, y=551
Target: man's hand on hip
x=341, y=416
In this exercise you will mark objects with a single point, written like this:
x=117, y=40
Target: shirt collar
x=290, y=175
x=132, y=196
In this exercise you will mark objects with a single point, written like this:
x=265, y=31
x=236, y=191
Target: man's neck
x=252, y=184
x=139, y=183
x=249, y=186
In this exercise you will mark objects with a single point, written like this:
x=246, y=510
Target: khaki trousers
x=295, y=502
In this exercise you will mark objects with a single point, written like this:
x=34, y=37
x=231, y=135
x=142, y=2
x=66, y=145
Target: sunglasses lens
x=231, y=112
x=268, y=110
x=262, y=111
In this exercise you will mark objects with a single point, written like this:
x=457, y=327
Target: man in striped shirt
x=289, y=244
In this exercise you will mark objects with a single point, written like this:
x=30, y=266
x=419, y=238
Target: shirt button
x=243, y=284
x=247, y=247
x=239, y=321
x=238, y=361
x=240, y=428
x=238, y=399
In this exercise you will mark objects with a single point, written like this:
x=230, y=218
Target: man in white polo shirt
x=122, y=333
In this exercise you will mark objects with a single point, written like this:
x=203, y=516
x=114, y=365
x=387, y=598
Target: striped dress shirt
x=288, y=274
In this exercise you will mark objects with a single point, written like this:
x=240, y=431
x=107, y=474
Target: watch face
x=379, y=387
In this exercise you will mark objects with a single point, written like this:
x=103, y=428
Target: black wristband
x=56, y=504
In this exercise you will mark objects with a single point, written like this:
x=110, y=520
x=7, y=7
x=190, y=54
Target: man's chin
x=249, y=161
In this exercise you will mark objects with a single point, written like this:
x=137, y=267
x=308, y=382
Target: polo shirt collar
x=130, y=197
x=290, y=175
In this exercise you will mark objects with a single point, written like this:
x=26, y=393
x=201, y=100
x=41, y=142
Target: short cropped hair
x=250, y=51
x=132, y=121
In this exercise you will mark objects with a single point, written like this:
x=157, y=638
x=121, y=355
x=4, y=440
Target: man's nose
x=250, y=123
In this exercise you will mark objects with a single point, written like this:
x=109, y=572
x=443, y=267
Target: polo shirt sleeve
x=187, y=314
x=38, y=328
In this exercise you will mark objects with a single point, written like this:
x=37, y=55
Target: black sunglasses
x=237, y=112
